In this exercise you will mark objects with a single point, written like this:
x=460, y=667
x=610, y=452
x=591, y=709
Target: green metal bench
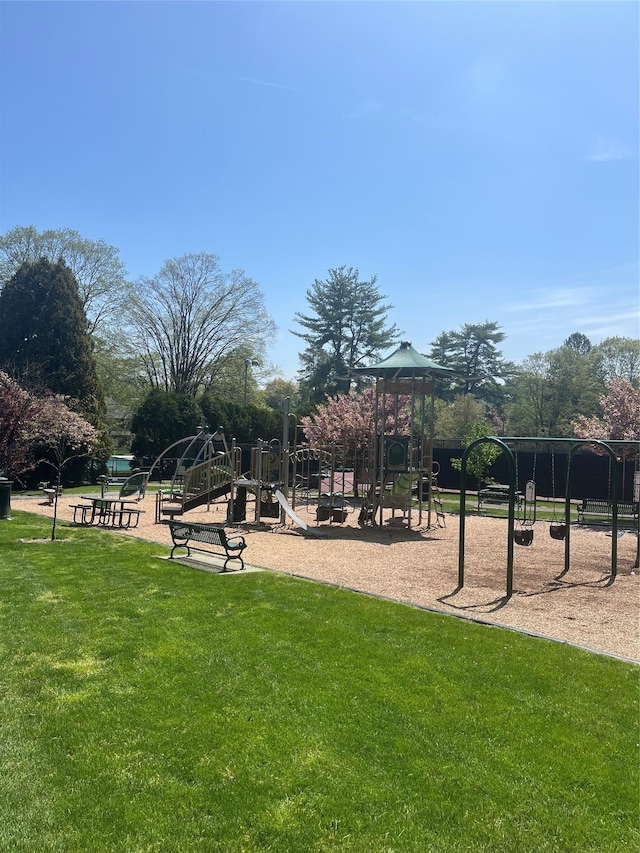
x=604, y=508
x=185, y=533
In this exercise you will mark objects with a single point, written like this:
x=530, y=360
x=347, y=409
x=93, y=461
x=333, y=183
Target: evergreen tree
x=348, y=328
x=45, y=342
x=162, y=418
x=244, y=423
x=96, y=266
x=474, y=355
x=579, y=342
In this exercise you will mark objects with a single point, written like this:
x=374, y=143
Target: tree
x=348, y=328
x=458, y=419
x=96, y=266
x=473, y=354
x=244, y=423
x=18, y=409
x=62, y=435
x=190, y=316
x=277, y=390
x=347, y=421
x=162, y=418
x=37, y=429
x=481, y=458
x=45, y=339
x=620, y=419
x=579, y=342
x=550, y=391
x=528, y=412
x=617, y=358
x=233, y=370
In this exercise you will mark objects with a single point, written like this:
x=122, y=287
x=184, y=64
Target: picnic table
x=108, y=510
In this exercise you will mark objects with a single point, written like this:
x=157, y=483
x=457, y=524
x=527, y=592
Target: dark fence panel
x=590, y=473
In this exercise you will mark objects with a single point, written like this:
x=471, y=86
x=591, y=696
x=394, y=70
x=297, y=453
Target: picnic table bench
x=185, y=533
x=599, y=507
x=50, y=494
x=498, y=495
x=106, y=511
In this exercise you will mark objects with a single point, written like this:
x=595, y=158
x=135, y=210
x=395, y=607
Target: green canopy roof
x=405, y=362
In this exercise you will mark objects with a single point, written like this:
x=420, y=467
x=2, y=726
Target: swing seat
x=558, y=531
x=523, y=537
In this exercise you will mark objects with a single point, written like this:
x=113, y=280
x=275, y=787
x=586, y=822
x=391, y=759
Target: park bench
x=597, y=507
x=185, y=533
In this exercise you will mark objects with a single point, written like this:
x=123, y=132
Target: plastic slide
x=286, y=506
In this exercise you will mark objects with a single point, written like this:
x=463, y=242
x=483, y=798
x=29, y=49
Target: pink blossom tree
x=347, y=421
x=620, y=419
x=39, y=429
x=18, y=409
x=63, y=435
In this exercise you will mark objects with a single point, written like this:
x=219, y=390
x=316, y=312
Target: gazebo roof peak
x=405, y=361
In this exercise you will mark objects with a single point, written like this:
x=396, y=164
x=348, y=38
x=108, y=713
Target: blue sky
x=480, y=157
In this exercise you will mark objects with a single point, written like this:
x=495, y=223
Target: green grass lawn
x=150, y=707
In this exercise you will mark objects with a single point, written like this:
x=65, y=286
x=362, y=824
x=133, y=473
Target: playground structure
x=204, y=472
x=395, y=472
x=325, y=480
x=403, y=430
x=526, y=513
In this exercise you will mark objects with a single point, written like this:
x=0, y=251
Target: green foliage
x=474, y=355
x=277, y=389
x=96, y=266
x=147, y=706
x=617, y=358
x=481, y=457
x=549, y=390
x=579, y=342
x=45, y=343
x=347, y=328
x=244, y=423
x=162, y=418
x=459, y=418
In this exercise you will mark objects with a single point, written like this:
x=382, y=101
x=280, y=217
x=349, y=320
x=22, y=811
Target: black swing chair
x=557, y=529
x=524, y=534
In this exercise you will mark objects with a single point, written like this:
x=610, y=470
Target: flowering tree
x=63, y=435
x=620, y=419
x=18, y=409
x=347, y=421
x=39, y=429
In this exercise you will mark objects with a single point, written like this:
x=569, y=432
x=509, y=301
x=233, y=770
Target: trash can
x=5, y=498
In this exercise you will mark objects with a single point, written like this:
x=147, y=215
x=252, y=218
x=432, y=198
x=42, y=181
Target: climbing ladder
x=436, y=497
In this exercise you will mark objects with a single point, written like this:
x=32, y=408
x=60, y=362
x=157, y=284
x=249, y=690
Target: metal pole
x=512, y=508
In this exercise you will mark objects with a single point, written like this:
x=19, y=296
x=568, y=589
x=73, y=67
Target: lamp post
x=247, y=363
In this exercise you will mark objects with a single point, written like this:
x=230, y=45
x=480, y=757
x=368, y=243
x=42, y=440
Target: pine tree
x=347, y=329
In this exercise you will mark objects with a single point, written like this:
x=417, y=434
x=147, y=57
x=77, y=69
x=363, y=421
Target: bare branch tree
x=190, y=315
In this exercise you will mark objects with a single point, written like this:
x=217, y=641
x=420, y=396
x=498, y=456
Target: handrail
x=201, y=479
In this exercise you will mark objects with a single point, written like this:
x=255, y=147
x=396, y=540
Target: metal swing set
x=558, y=530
